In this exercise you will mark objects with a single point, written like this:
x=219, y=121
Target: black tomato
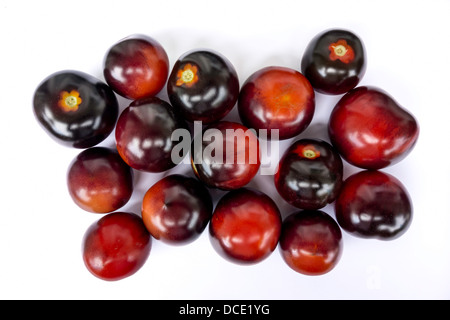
x=309, y=174
x=374, y=204
x=75, y=108
x=334, y=61
x=176, y=209
x=143, y=134
x=203, y=86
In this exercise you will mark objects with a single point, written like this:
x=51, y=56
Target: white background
x=408, y=52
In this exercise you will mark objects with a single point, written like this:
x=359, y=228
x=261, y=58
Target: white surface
x=41, y=228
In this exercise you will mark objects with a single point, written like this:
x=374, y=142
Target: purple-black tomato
x=309, y=174
x=144, y=134
x=75, y=108
x=374, y=204
x=334, y=61
x=203, y=86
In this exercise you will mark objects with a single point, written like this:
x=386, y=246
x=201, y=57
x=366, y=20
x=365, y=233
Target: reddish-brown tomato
x=176, y=209
x=277, y=98
x=311, y=242
x=116, y=246
x=227, y=157
x=136, y=67
x=99, y=180
x=245, y=226
x=371, y=130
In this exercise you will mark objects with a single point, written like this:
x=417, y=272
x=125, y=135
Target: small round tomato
x=99, y=180
x=227, y=157
x=116, y=246
x=334, y=61
x=311, y=242
x=245, y=226
x=374, y=204
x=136, y=67
x=277, y=98
x=203, y=86
x=371, y=130
x=75, y=108
x=309, y=174
x=177, y=209
x=144, y=134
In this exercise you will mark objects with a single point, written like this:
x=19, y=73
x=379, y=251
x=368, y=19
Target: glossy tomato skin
x=309, y=174
x=136, y=67
x=334, y=61
x=227, y=157
x=203, y=86
x=245, y=226
x=143, y=134
x=311, y=242
x=374, y=204
x=177, y=209
x=99, y=180
x=75, y=108
x=116, y=246
x=371, y=130
x=277, y=98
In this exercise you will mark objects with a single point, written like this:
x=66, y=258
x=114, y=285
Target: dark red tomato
x=371, y=130
x=75, y=109
x=311, y=242
x=144, y=134
x=177, y=209
x=277, y=98
x=203, y=86
x=334, y=61
x=373, y=204
x=136, y=67
x=309, y=174
x=227, y=157
x=245, y=226
x=99, y=180
x=116, y=246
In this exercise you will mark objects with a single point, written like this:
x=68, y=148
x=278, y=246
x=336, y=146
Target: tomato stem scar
x=69, y=101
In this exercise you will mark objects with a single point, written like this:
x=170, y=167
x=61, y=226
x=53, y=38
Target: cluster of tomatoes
x=367, y=128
